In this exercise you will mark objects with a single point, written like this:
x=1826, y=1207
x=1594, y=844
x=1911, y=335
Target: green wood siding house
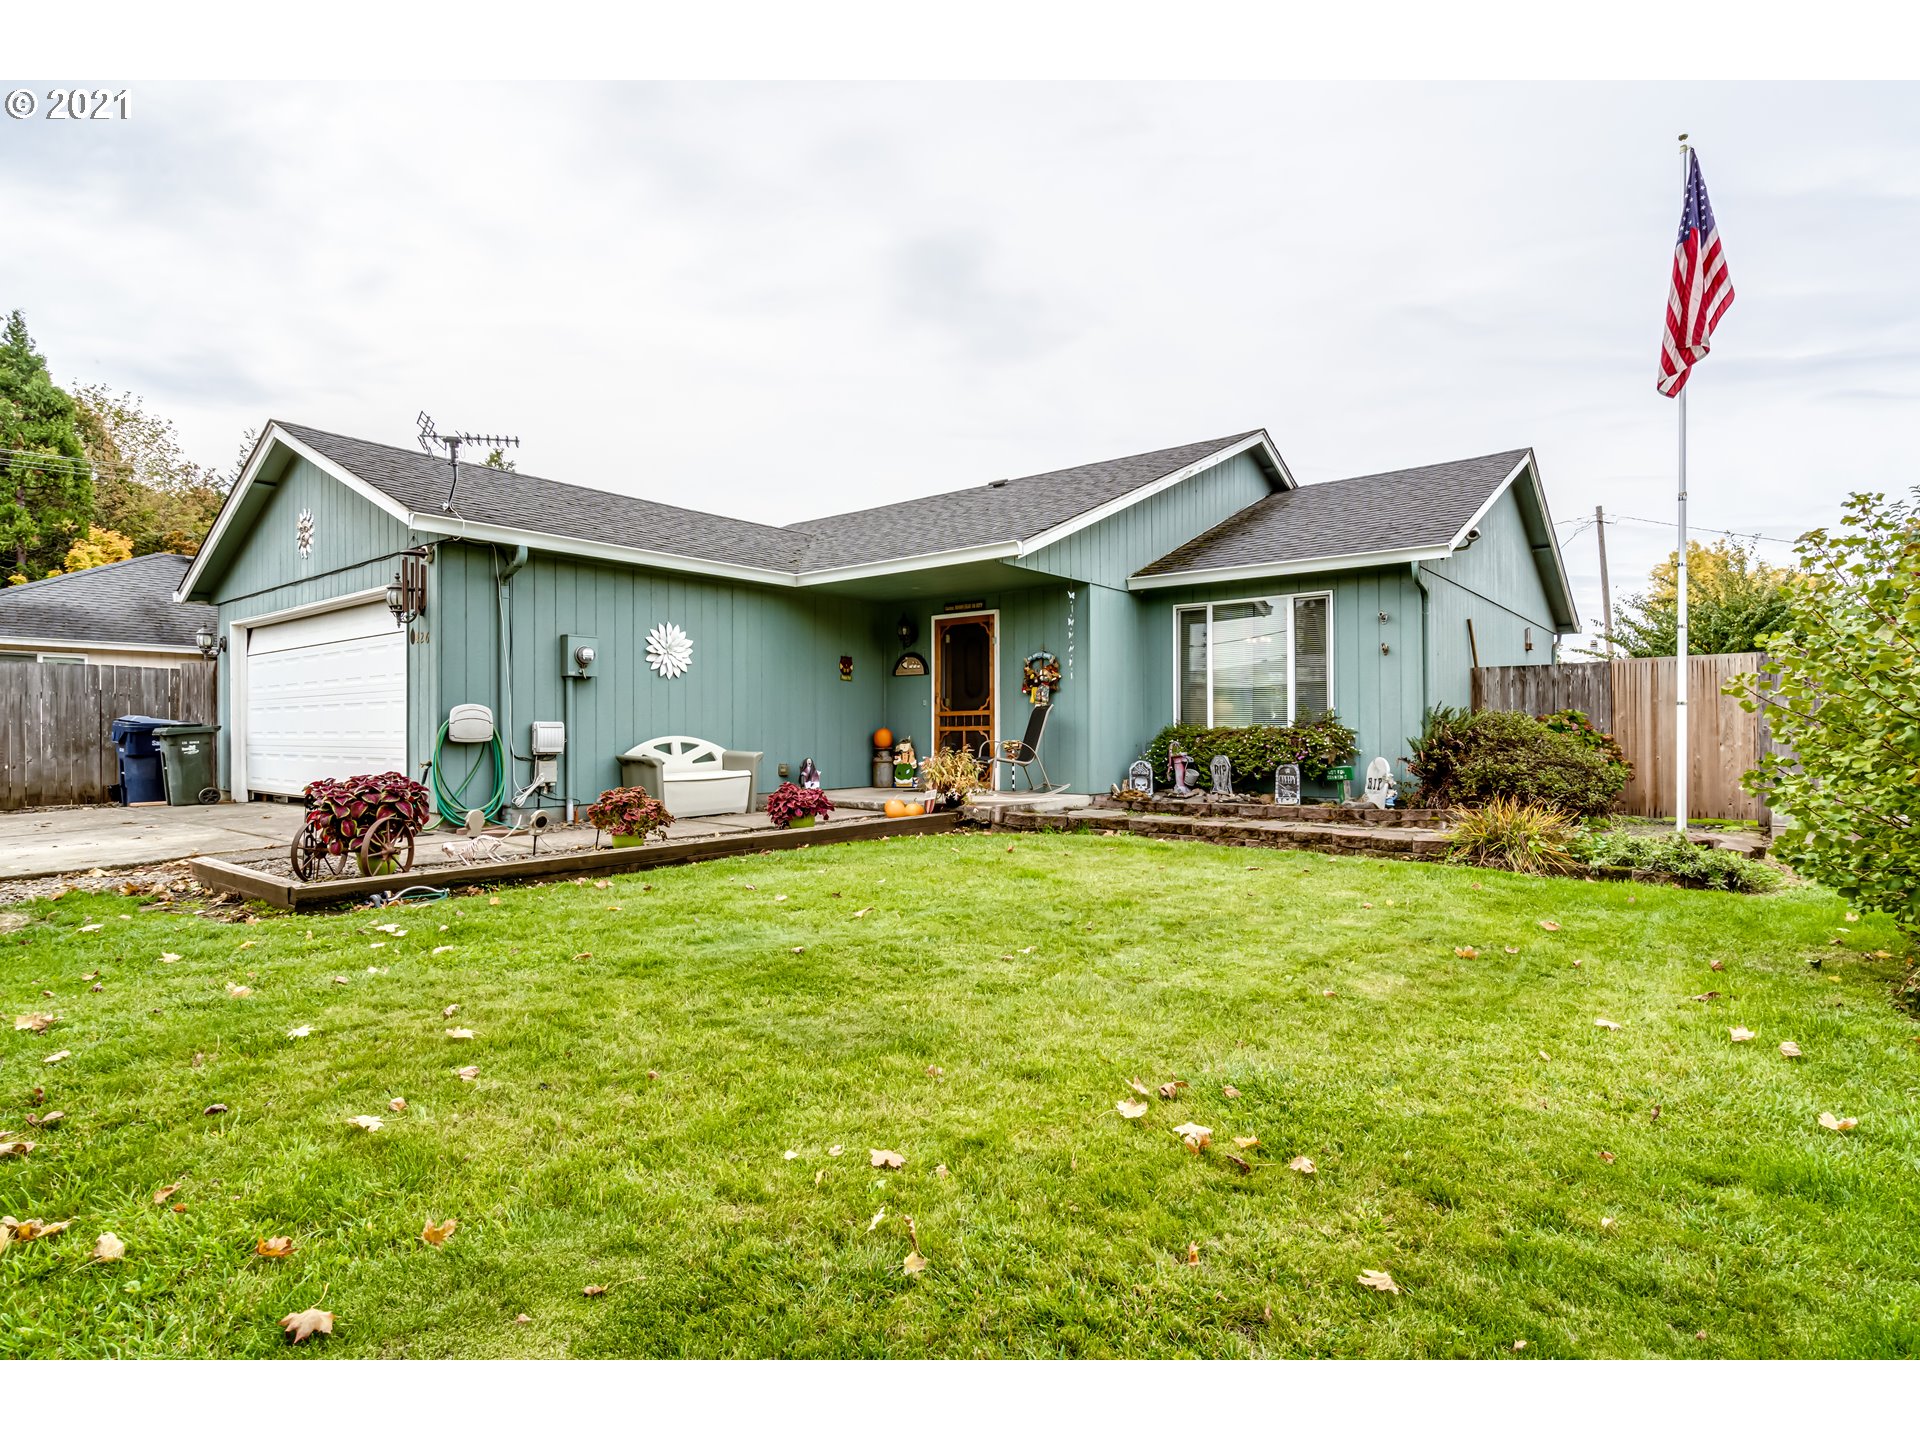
x=1198, y=583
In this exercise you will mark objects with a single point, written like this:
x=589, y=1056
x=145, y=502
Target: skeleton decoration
x=669, y=651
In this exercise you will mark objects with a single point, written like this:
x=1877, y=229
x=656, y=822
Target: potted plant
x=794, y=807
x=376, y=817
x=950, y=776
x=628, y=814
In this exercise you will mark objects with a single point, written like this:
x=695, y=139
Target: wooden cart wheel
x=306, y=853
x=387, y=847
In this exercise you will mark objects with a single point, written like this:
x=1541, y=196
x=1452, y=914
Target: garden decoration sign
x=1140, y=777
x=1286, y=785
x=1039, y=676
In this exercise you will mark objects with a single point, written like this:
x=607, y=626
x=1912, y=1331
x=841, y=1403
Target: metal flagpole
x=1683, y=753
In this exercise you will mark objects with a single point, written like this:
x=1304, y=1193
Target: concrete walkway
x=60, y=842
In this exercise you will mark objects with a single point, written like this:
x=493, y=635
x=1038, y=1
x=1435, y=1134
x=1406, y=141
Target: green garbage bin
x=187, y=751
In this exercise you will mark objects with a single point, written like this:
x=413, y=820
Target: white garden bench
x=692, y=776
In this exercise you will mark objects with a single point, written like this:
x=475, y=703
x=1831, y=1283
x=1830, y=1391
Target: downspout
x=1426, y=639
x=515, y=563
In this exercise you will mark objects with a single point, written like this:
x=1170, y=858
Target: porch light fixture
x=204, y=641
x=407, y=591
x=907, y=631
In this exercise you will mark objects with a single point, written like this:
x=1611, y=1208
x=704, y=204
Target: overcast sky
x=783, y=301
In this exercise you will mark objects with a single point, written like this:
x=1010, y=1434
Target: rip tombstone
x=1220, y=772
x=1380, y=790
x=1140, y=777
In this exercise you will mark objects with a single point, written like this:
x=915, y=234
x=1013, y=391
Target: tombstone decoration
x=1183, y=772
x=1286, y=785
x=1220, y=771
x=809, y=774
x=1380, y=791
x=1140, y=777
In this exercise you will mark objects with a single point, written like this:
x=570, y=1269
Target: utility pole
x=1606, y=589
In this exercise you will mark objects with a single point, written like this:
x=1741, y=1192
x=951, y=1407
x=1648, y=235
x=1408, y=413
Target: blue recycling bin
x=142, y=770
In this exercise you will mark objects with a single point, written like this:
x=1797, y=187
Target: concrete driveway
x=58, y=842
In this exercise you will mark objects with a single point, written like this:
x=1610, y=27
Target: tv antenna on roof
x=429, y=437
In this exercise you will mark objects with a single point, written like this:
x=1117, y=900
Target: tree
x=146, y=487
x=1732, y=600
x=96, y=547
x=1841, y=689
x=46, y=488
x=497, y=460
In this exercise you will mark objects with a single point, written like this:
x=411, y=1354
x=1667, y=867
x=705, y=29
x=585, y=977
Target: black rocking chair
x=1021, y=754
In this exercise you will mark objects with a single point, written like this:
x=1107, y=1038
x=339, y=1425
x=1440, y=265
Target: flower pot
x=621, y=841
x=801, y=822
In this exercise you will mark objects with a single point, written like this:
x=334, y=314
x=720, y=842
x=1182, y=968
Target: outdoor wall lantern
x=407, y=592
x=209, y=647
x=907, y=631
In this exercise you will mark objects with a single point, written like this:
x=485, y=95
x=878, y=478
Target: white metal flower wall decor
x=303, y=533
x=669, y=651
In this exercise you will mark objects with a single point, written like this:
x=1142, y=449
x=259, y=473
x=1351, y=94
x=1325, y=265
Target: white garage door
x=326, y=696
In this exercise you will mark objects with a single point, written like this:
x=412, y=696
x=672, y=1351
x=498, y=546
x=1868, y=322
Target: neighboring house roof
x=126, y=605
x=1423, y=508
x=1005, y=510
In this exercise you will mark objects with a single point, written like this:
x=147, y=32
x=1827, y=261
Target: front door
x=962, y=682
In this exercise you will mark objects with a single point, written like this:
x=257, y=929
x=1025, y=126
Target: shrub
x=796, y=802
x=1575, y=725
x=1466, y=760
x=1515, y=835
x=342, y=811
x=1681, y=859
x=628, y=810
x=1255, y=751
x=951, y=772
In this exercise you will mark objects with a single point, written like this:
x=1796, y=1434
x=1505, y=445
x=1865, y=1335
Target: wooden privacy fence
x=56, y=724
x=1634, y=700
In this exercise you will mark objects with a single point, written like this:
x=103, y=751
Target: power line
x=1582, y=523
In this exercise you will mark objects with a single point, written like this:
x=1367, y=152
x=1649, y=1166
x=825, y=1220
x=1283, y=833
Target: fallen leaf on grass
x=307, y=1322
x=1717, y=965
x=300, y=1032
x=1131, y=1109
x=1789, y=1049
x=1230, y=1092
x=161, y=1195
x=436, y=1235
x=878, y=1216
x=1706, y=995
x=366, y=1122
x=56, y=1057
x=108, y=1247
x=886, y=1159
x=835, y=1150
x=237, y=990
x=1379, y=1280
x=440, y=949
x=47, y=1121
x=1234, y=1160
x=935, y=1071
x=1606, y=1157
x=1195, y=1137
x=590, y=1291
x=16, y=1149
x=1172, y=1089
x=1545, y=1056
x=1326, y=994
x=1549, y=924
x=447, y=1014
x=215, y=1109
x=1511, y=949
x=862, y=914
x=1303, y=1165
x=1830, y=1121
x=37, y=1023
x=1193, y=1253
x=1139, y=1087
x=1605, y=1024
x=791, y=1155
x=493, y=900
x=468, y=1072
x=940, y=1172
x=32, y=1229
x=460, y=1033
x=1739, y=1033
x=1518, y=1346
x=86, y=929
x=1606, y=1222
x=397, y=1104
x=274, y=1247
x=914, y=1263
x=1466, y=952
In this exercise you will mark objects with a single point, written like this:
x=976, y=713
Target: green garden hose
x=453, y=805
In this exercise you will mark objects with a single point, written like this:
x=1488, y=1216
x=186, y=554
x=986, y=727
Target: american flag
x=1702, y=289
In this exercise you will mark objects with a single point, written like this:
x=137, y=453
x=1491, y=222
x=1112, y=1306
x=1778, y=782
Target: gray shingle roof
x=1007, y=510
x=1397, y=510
x=528, y=502
x=127, y=603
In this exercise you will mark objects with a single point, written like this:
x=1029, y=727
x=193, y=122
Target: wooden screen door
x=963, y=682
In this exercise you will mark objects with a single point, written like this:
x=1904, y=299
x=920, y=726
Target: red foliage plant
x=628, y=810
x=795, y=802
x=341, y=812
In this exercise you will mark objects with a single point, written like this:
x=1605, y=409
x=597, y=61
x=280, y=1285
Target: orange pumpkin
x=896, y=809
x=914, y=807
x=883, y=739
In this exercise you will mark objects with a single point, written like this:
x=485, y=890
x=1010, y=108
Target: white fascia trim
x=1358, y=560
x=1001, y=550
x=1119, y=503
x=17, y=642
x=1460, y=535
x=1529, y=468
x=255, y=463
x=460, y=529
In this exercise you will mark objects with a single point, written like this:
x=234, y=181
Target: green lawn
x=649, y=1051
